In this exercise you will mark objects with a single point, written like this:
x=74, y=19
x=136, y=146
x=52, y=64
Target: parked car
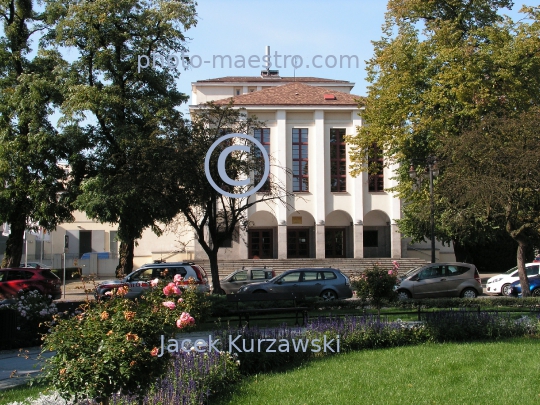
x=238, y=278
x=139, y=280
x=534, y=286
x=13, y=280
x=327, y=283
x=440, y=280
x=501, y=283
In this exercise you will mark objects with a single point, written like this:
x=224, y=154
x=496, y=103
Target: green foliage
x=133, y=114
x=34, y=311
x=447, y=326
x=113, y=345
x=31, y=149
x=440, y=68
x=376, y=285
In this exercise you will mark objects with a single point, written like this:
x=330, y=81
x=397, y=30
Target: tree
x=426, y=86
x=132, y=109
x=493, y=169
x=214, y=216
x=31, y=150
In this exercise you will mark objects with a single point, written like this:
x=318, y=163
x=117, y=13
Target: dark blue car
x=534, y=284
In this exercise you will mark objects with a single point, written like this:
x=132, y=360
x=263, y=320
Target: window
x=338, y=167
x=291, y=277
x=311, y=276
x=300, y=159
x=263, y=136
x=240, y=276
x=225, y=242
x=375, y=168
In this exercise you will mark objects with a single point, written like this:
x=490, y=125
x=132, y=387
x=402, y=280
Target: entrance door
x=334, y=242
x=85, y=242
x=261, y=244
x=298, y=243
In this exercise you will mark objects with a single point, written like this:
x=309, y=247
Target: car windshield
x=410, y=272
x=511, y=270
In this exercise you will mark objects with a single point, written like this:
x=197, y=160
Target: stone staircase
x=347, y=266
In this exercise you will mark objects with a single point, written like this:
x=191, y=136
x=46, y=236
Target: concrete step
x=347, y=266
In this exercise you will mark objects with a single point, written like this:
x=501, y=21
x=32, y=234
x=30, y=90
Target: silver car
x=139, y=280
x=327, y=283
x=440, y=280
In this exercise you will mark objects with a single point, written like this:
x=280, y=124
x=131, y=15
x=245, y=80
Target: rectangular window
x=338, y=166
x=300, y=159
x=375, y=169
x=263, y=136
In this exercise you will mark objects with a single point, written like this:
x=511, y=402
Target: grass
x=472, y=373
x=21, y=393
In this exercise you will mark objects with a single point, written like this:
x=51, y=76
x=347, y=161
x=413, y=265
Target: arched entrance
x=301, y=235
x=261, y=235
x=337, y=235
x=377, y=234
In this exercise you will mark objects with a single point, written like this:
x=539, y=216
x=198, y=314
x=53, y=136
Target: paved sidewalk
x=19, y=366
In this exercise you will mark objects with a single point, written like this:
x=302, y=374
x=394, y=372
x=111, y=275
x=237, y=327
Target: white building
x=332, y=214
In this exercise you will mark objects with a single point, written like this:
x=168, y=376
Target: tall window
x=338, y=167
x=263, y=136
x=375, y=170
x=300, y=159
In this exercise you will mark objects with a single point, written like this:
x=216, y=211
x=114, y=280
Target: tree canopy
x=442, y=67
x=34, y=185
x=127, y=114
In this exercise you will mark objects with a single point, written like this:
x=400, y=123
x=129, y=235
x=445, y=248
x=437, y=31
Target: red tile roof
x=294, y=94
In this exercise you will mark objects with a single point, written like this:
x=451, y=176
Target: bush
x=376, y=285
x=33, y=311
x=367, y=332
x=462, y=325
x=192, y=378
x=113, y=345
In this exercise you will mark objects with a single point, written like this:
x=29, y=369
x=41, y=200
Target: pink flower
x=180, y=300
x=169, y=304
x=171, y=288
x=185, y=319
x=154, y=282
x=390, y=272
x=154, y=352
x=178, y=278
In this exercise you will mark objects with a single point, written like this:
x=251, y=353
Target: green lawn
x=473, y=373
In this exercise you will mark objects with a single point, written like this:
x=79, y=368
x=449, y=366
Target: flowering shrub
x=34, y=310
x=112, y=346
x=192, y=378
x=376, y=285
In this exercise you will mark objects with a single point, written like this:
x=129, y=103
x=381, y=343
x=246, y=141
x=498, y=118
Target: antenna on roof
x=267, y=60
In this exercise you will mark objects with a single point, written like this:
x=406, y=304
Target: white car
x=500, y=284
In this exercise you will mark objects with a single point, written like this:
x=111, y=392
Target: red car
x=27, y=279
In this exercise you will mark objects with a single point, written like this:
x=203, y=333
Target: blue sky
x=293, y=27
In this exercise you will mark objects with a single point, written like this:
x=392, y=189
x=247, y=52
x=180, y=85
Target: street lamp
x=431, y=166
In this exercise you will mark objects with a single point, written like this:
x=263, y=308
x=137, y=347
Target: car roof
x=314, y=268
x=164, y=264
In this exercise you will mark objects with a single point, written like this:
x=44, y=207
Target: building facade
x=332, y=214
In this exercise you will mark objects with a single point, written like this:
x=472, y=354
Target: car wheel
x=536, y=292
x=403, y=295
x=259, y=292
x=469, y=293
x=505, y=290
x=328, y=295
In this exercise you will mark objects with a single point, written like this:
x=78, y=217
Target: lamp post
x=431, y=167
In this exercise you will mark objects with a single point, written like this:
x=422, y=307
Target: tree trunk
x=462, y=252
x=15, y=242
x=521, y=259
x=214, y=271
x=125, y=261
